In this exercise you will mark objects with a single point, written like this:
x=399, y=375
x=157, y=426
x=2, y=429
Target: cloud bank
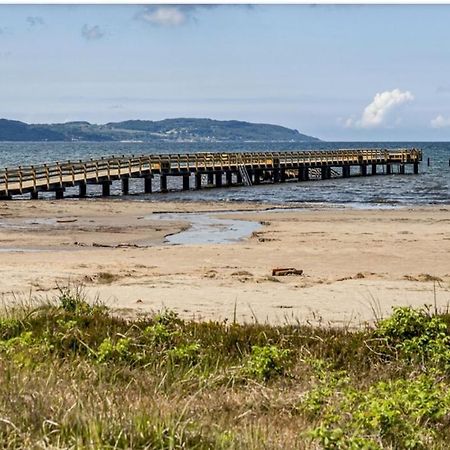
x=440, y=122
x=92, y=33
x=376, y=113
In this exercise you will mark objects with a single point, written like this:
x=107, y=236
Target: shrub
x=266, y=361
x=415, y=334
x=406, y=414
x=119, y=351
x=185, y=354
x=10, y=328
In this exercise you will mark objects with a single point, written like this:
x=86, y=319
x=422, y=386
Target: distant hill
x=174, y=130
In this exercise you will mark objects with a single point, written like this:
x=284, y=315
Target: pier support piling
x=198, y=181
x=229, y=177
x=218, y=179
x=210, y=177
x=256, y=176
x=345, y=171
x=82, y=190
x=388, y=169
x=148, y=185
x=106, y=188
x=125, y=186
x=238, y=178
x=363, y=169
x=303, y=174
x=59, y=193
x=325, y=172
x=402, y=169
x=276, y=175
x=186, y=182
x=282, y=175
x=416, y=168
x=34, y=195
x=374, y=169
x=163, y=183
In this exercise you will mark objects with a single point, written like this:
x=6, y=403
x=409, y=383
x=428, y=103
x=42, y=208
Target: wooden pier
x=204, y=169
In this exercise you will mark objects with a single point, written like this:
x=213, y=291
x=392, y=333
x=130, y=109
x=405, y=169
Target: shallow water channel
x=206, y=229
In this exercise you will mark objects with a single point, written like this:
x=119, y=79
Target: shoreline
x=353, y=260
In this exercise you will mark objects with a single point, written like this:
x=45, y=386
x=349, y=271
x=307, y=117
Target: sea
x=430, y=187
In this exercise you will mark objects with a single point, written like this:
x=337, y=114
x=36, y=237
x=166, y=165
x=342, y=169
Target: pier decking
x=240, y=168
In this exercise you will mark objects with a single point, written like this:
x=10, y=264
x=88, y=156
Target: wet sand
x=356, y=263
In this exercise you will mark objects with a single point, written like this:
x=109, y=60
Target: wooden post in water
x=148, y=184
x=388, y=169
x=34, y=195
x=416, y=168
x=186, y=178
x=345, y=171
x=125, y=186
x=106, y=188
x=218, y=179
x=374, y=169
x=229, y=177
x=276, y=175
x=238, y=178
x=305, y=173
x=59, y=193
x=210, y=177
x=198, y=180
x=82, y=189
x=402, y=169
x=256, y=176
x=163, y=183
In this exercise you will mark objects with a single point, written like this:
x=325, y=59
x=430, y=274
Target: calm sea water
x=431, y=186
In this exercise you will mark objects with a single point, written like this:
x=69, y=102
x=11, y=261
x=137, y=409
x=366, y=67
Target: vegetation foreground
x=74, y=375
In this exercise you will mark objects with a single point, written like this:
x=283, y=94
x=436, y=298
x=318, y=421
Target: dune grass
x=74, y=375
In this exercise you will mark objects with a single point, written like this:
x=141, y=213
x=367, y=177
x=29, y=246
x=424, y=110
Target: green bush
x=118, y=351
x=417, y=335
x=266, y=361
x=10, y=328
x=402, y=414
x=185, y=354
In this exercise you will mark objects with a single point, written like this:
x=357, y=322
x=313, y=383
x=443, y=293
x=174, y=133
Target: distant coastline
x=169, y=130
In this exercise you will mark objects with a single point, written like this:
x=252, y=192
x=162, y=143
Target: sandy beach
x=357, y=263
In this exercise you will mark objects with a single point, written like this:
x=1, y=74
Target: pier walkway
x=204, y=169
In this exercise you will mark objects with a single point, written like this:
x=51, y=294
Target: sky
x=346, y=72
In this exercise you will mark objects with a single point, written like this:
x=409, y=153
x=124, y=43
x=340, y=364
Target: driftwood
x=66, y=220
x=122, y=245
x=281, y=272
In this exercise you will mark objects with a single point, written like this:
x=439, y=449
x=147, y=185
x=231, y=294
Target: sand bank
x=354, y=261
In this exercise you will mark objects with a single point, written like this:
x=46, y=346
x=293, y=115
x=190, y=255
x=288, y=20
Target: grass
x=74, y=375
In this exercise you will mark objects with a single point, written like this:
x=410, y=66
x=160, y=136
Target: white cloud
x=168, y=16
x=440, y=122
x=376, y=113
x=92, y=33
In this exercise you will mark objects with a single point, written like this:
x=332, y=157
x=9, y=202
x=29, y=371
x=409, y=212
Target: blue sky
x=336, y=72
